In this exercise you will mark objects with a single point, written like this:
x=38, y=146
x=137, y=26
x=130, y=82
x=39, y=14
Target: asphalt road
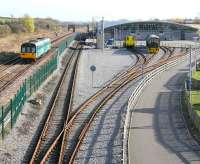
x=158, y=134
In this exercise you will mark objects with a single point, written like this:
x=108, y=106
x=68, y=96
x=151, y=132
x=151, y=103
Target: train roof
x=37, y=42
x=153, y=36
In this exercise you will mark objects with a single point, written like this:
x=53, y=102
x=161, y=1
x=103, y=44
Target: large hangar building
x=166, y=30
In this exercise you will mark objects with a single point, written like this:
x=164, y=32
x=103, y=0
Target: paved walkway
x=158, y=134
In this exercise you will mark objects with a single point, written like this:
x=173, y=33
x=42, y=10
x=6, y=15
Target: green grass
x=196, y=75
x=195, y=100
x=196, y=94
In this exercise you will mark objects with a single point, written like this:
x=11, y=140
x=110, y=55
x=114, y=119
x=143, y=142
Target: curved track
x=79, y=121
x=87, y=117
x=63, y=143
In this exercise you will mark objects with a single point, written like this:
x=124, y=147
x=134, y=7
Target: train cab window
x=33, y=49
x=28, y=49
x=23, y=49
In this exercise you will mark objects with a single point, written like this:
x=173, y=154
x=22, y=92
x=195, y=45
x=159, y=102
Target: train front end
x=28, y=51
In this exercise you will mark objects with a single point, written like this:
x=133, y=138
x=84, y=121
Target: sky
x=84, y=10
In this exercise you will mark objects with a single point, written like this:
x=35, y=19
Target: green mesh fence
x=10, y=112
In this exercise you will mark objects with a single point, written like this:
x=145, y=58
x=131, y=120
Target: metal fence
x=10, y=112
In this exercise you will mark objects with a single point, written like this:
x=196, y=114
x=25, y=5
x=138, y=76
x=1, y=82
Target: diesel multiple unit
x=34, y=49
x=153, y=44
x=129, y=41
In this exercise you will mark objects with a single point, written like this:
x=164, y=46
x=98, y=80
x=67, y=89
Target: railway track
x=55, y=40
x=86, y=115
x=11, y=74
x=70, y=139
x=36, y=157
x=91, y=117
x=77, y=122
x=57, y=110
x=15, y=67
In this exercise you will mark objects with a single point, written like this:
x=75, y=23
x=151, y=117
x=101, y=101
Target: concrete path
x=158, y=134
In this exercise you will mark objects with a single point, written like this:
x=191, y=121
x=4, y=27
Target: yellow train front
x=153, y=44
x=129, y=41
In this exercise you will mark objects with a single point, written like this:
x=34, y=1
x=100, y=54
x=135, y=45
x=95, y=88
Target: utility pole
x=115, y=36
x=190, y=73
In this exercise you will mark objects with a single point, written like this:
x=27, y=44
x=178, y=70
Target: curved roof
x=181, y=26
x=38, y=42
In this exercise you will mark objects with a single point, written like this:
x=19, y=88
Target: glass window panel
x=23, y=49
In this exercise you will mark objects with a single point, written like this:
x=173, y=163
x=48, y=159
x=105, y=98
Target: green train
x=34, y=49
x=153, y=44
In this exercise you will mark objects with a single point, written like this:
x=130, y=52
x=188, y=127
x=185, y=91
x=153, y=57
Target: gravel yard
x=108, y=65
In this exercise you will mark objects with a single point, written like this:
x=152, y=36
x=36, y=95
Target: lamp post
x=102, y=34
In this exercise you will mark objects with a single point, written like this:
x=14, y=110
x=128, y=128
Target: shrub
x=17, y=27
x=5, y=30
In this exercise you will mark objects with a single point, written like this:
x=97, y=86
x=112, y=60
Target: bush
x=17, y=27
x=5, y=30
x=47, y=24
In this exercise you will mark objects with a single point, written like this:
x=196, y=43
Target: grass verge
x=190, y=123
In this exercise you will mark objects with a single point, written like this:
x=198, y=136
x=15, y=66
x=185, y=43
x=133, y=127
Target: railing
x=180, y=44
x=10, y=112
x=136, y=93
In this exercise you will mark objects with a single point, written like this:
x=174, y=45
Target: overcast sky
x=84, y=10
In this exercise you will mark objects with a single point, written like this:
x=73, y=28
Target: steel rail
x=52, y=108
x=105, y=100
x=59, y=137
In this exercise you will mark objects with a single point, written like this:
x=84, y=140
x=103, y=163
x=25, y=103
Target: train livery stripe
x=28, y=56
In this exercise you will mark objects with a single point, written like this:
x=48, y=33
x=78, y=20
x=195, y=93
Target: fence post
x=14, y=107
x=30, y=86
x=25, y=90
x=34, y=82
x=2, y=122
x=11, y=113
